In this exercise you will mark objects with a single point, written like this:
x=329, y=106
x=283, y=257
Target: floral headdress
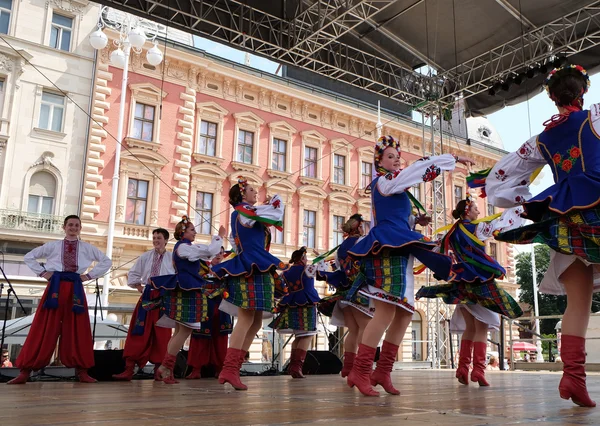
x=579, y=68
x=468, y=204
x=185, y=220
x=383, y=143
x=242, y=183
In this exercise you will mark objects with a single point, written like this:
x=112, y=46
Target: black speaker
x=107, y=363
x=321, y=362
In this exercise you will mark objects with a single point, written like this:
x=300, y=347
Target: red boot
x=464, y=361
x=157, y=372
x=296, y=363
x=195, y=374
x=360, y=376
x=348, y=363
x=479, y=356
x=165, y=371
x=126, y=375
x=231, y=368
x=83, y=376
x=21, y=379
x=572, y=385
x=381, y=375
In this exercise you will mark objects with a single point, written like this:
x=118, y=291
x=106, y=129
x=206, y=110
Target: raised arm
x=507, y=185
x=510, y=218
x=270, y=213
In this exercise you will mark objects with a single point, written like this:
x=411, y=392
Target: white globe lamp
x=117, y=58
x=98, y=39
x=154, y=56
x=137, y=38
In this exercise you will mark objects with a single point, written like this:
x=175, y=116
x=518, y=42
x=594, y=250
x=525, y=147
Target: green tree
x=548, y=304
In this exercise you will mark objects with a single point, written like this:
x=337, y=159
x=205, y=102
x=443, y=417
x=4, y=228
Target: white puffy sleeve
x=103, y=263
x=272, y=211
x=510, y=218
x=135, y=274
x=424, y=170
x=194, y=252
x=31, y=258
x=507, y=185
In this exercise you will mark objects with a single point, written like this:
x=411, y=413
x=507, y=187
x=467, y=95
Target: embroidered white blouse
x=141, y=270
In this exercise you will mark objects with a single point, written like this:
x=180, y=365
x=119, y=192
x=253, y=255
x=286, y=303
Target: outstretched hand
x=423, y=220
x=222, y=232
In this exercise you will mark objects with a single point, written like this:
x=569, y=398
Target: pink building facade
x=189, y=135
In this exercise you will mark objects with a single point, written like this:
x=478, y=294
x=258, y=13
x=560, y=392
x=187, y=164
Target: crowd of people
x=197, y=290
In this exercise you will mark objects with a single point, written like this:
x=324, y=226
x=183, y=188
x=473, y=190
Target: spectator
x=493, y=364
x=5, y=360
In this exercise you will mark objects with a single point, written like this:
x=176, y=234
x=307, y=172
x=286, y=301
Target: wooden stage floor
x=429, y=397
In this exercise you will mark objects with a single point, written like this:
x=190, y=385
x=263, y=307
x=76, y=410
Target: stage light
x=531, y=72
x=520, y=77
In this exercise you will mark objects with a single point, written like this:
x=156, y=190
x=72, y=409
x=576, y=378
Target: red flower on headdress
x=575, y=152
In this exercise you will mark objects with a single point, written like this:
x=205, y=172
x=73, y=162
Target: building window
x=143, y=122
x=276, y=236
x=137, y=199
x=245, y=146
x=60, y=32
x=310, y=162
x=279, y=154
x=490, y=209
x=52, y=110
x=366, y=174
x=458, y=194
x=42, y=191
x=310, y=225
x=416, y=192
x=338, y=234
x=5, y=8
x=339, y=169
x=207, y=139
x=494, y=251
x=204, y=203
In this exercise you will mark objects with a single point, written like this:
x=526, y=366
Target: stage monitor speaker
x=107, y=363
x=321, y=362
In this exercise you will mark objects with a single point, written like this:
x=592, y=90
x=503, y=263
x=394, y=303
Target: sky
x=515, y=124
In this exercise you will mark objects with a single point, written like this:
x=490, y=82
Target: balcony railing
x=25, y=221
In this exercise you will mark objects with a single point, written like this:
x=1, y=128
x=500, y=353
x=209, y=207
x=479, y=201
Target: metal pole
x=538, y=342
x=501, y=346
x=115, y=178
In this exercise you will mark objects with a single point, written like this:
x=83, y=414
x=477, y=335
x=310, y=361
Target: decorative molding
x=278, y=174
x=311, y=181
x=340, y=188
x=138, y=143
x=207, y=159
x=70, y=6
x=45, y=160
x=244, y=167
x=6, y=63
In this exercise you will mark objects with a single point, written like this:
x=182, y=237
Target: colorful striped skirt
x=299, y=320
x=488, y=295
x=187, y=307
x=255, y=292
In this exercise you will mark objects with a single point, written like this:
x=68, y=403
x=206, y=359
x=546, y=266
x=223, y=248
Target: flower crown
x=185, y=220
x=579, y=68
x=382, y=144
x=243, y=183
x=469, y=203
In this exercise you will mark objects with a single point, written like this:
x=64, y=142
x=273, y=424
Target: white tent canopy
x=18, y=329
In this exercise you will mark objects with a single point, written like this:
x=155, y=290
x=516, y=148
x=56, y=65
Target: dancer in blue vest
x=298, y=309
x=566, y=216
x=250, y=276
x=353, y=314
x=386, y=255
x=479, y=298
x=184, y=304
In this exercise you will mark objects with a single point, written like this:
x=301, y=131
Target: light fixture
x=98, y=39
x=117, y=58
x=137, y=38
x=154, y=55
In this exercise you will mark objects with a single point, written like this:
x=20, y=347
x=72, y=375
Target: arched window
x=42, y=193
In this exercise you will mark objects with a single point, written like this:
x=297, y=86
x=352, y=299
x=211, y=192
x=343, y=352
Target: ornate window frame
x=311, y=197
x=215, y=113
x=207, y=178
x=150, y=170
x=365, y=154
x=341, y=146
x=286, y=191
x=340, y=204
x=45, y=164
x=284, y=131
x=250, y=122
x=312, y=139
x=148, y=94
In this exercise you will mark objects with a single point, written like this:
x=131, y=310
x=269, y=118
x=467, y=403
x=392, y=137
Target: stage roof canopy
x=473, y=45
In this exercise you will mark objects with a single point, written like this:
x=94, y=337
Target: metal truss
x=313, y=40
x=570, y=34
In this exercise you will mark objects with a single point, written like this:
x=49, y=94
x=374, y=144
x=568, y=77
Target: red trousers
x=209, y=351
x=76, y=349
x=150, y=346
